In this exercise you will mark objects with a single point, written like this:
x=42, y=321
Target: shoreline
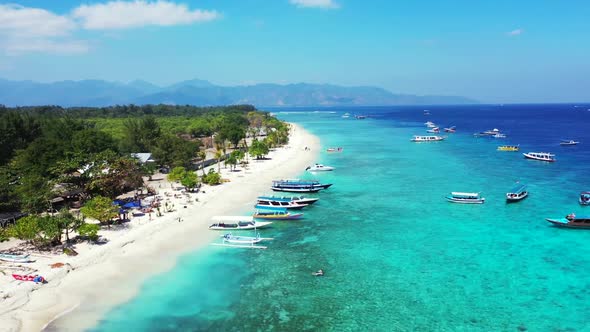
x=103, y=276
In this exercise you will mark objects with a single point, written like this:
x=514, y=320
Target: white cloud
x=138, y=13
x=26, y=30
x=25, y=21
x=328, y=4
x=515, y=32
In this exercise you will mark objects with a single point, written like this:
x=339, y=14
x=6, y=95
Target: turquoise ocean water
x=397, y=256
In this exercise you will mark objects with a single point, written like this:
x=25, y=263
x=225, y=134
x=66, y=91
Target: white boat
x=346, y=115
x=568, y=142
x=427, y=138
x=465, y=198
x=542, y=156
x=15, y=258
x=319, y=168
x=492, y=132
x=429, y=124
x=237, y=223
x=451, y=129
x=434, y=130
x=499, y=135
x=237, y=239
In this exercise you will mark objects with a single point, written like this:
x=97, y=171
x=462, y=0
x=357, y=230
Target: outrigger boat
x=276, y=215
x=427, y=138
x=279, y=205
x=519, y=192
x=434, y=130
x=248, y=242
x=465, y=198
x=584, y=198
x=571, y=221
x=295, y=199
x=542, y=156
x=319, y=168
x=237, y=223
x=429, y=124
x=15, y=258
x=338, y=149
x=34, y=278
x=568, y=142
x=297, y=185
x=451, y=129
x=511, y=148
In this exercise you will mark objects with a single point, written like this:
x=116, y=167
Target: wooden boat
x=571, y=221
x=542, y=156
x=319, y=168
x=15, y=258
x=427, y=138
x=297, y=185
x=511, y=148
x=338, y=149
x=237, y=223
x=568, y=142
x=279, y=205
x=519, y=192
x=451, y=129
x=25, y=277
x=465, y=198
x=295, y=199
x=276, y=215
x=584, y=198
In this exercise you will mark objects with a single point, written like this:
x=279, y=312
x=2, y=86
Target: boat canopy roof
x=462, y=194
x=232, y=218
x=517, y=189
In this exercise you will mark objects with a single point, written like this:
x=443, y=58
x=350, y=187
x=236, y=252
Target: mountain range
x=204, y=93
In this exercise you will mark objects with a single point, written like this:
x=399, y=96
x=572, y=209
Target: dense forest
x=49, y=150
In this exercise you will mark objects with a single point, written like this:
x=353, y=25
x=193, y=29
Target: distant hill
x=203, y=93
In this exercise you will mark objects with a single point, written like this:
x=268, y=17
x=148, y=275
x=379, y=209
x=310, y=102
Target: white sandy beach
x=102, y=276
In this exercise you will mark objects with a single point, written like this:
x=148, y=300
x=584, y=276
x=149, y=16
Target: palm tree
x=202, y=155
x=218, y=155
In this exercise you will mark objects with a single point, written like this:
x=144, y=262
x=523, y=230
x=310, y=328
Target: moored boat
x=319, y=168
x=338, y=149
x=542, y=156
x=571, y=221
x=237, y=223
x=465, y=198
x=276, y=215
x=279, y=205
x=517, y=193
x=568, y=142
x=296, y=199
x=297, y=185
x=512, y=148
x=584, y=198
x=417, y=138
x=434, y=130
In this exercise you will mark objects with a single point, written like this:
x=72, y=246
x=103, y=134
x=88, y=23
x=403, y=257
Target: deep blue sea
x=397, y=256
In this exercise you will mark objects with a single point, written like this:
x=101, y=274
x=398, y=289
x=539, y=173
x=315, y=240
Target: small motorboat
x=360, y=117
x=295, y=199
x=584, y=198
x=465, y=198
x=430, y=124
x=427, y=138
x=338, y=149
x=542, y=156
x=499, y=135
x=451, y=129
x=571, y=221
x=319, y=168
x=281, y=205
x=568, y=142
x=434, y=130
x=511, y=148
x=518, y=193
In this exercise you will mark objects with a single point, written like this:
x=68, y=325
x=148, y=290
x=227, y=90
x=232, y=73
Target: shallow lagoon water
x=397, y=256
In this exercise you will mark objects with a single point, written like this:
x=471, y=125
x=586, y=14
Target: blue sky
x=493, y=51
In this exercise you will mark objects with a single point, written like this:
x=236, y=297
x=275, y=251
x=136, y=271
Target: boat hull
x=237, y=227
x=279, y=217
x=528, y=156
x=271, y=206
x=297, y=190
x=465, y=201
x=564, y=223
x=516, y=198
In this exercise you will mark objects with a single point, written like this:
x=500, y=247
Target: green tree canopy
x=100, y=208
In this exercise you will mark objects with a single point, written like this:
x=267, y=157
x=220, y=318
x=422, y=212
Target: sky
x=492, y=51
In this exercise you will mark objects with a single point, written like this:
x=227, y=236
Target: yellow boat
x=508, y=148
